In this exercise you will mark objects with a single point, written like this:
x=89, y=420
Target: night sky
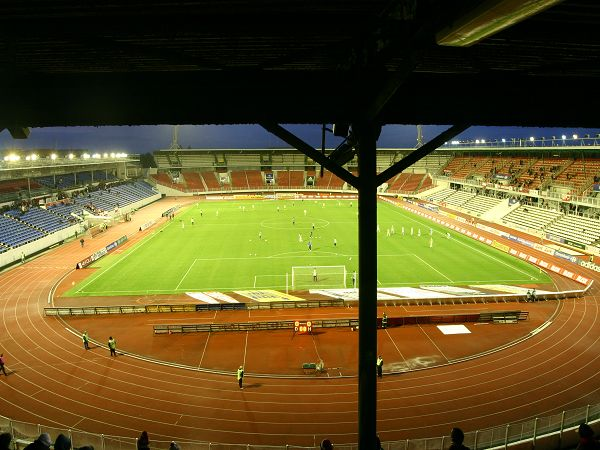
x=145, y=139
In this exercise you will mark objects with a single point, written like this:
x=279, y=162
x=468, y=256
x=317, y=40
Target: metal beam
x=421, y=152
x=309, y=151
x=367, y=292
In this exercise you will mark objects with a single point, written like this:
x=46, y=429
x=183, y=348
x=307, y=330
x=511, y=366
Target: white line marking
x=425, y=262
x=245, y=350
x=204, y=351
x=394, y=342
x=434, y=344
x=186, y=273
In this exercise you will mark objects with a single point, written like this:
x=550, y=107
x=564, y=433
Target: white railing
x=550, y=432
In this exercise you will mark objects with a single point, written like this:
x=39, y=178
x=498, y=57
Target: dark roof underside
x=69, y=62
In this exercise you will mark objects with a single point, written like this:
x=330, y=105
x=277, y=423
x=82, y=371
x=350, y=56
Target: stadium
x=250, y=292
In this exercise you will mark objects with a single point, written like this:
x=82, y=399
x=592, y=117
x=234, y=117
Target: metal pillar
x=367, y=268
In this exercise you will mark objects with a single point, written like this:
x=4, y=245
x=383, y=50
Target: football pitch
x=264, y=244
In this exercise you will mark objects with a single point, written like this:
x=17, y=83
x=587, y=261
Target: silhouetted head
x=457, y=435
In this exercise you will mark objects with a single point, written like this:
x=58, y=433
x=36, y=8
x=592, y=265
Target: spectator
x=5, y=439
x=326, y=444
x=43, y=442
x=587, y=440
x=174, y=446
x=143, y=443
x=62, y=442
x=457, y=436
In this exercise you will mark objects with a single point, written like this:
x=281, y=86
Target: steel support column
x=367, y=268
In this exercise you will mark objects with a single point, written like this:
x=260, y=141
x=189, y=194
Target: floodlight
x=53, y=156
x=343, y=153
x=86, y=156
x=574, y=136
x=483, y=141
x=70, y=156
x=112, y=155
x=564, y=137
x=531, y=138
x=488, y=18
x=503, y=140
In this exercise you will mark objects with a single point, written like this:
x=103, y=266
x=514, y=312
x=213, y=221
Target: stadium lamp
x=488, y=18
x=53, y=156
x=563, y=137
x=574, y=136
x=112, y=155
x=343, y=153
x=86, y=156
x=70, y=156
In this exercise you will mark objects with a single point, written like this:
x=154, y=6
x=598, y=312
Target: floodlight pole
x=367, y=292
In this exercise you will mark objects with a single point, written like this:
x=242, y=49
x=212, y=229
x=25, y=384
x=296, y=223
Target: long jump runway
x=57, y=383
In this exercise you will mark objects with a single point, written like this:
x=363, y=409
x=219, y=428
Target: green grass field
x=223, y=251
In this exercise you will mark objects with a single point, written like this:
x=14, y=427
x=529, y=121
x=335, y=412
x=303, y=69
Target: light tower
x=174, y=139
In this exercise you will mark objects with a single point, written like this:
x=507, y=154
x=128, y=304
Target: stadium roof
x=69, y=62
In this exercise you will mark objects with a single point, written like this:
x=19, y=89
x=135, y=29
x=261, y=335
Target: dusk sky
x=145, y=139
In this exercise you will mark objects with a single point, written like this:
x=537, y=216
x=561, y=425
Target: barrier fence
x=551, y=432
x=185, y=307
x=494, y=317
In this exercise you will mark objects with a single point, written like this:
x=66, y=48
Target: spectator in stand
x=5, y=439
x=143, y=442
x=62, y=442
x=43, y=442
x=587, y=441
x=457, y=436
x=174, y=446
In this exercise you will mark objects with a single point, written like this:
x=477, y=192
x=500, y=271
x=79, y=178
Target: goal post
x=309, y=277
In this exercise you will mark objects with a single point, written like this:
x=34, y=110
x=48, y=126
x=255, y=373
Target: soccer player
x=402, y=231
x=201, y=213
x=313, y=226
x=431, y=232
x=334, y=242
x=419, y=232
x=430, y=241
x=217, y=213
x=278, y=209
x=412, y=231
x=387, y=232
x=305, y=212
x=309, y=245
x=293, y=221
x=182, y=224
x=448, y=235
x=392, y=230
x=192, y=220
x=299, y=238
x=315, y=274
x=260, y=235
x=354, y=279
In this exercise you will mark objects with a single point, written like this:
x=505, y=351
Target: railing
x=551, y=432
x=185, y=307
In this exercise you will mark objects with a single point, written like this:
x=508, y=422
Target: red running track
x=56, y=383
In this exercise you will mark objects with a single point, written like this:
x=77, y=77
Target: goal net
x=310, y=277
